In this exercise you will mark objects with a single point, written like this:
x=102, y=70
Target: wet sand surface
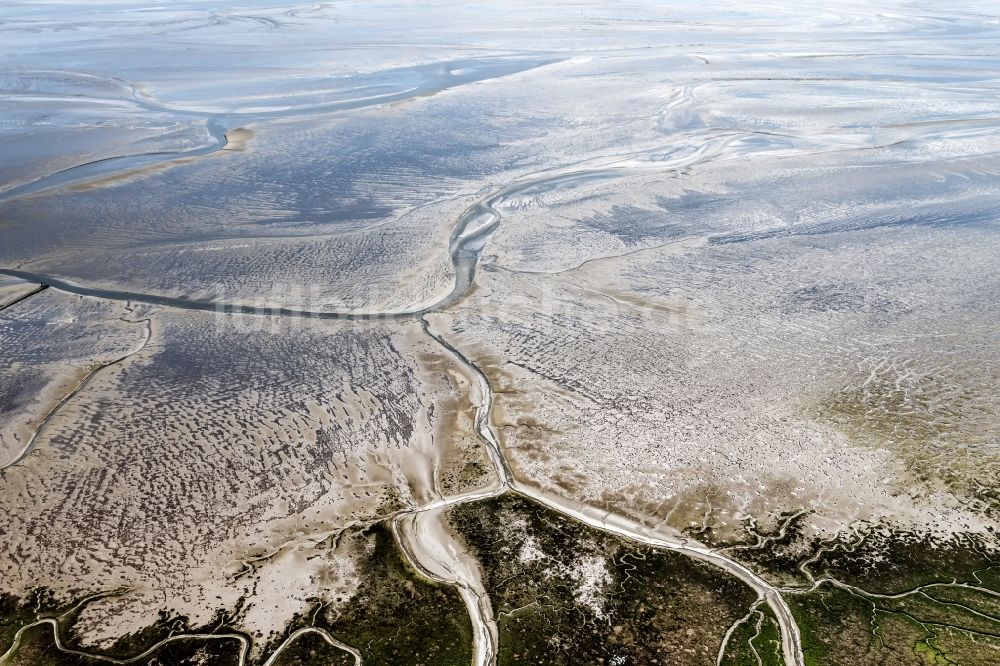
x=411, y=333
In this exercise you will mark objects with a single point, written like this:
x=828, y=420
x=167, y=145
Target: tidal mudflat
x=405, y=333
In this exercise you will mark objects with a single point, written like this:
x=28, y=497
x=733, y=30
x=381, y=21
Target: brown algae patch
x=238, y=139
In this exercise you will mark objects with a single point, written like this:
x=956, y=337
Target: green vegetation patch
x=898, y=562
x=37, y=647
x=311, y=648
x=564, y=593
x=766, y=641
x=16, y=613
x=755, y=641
x=38, y=644
x=398, y=616
x=841, y=626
